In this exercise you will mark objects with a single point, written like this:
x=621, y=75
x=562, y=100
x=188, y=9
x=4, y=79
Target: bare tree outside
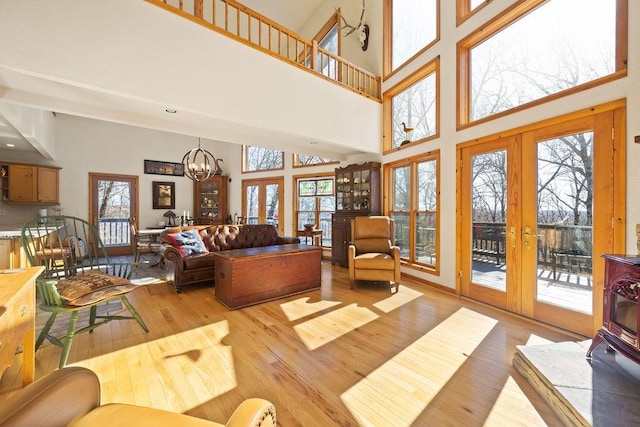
x=551, y=49
x=259, y=159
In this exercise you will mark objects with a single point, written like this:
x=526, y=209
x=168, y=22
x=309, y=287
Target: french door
x=113, y=199
x=263, y=201
x=537, y=211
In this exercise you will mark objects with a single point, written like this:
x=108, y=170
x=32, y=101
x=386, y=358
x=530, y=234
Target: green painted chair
x=79, y=275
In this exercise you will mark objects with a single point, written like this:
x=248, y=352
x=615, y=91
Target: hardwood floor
x=331, y=357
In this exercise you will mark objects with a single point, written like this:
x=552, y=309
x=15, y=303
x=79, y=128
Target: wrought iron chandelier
x=199, y=164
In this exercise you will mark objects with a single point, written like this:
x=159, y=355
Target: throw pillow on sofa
x=188, y=242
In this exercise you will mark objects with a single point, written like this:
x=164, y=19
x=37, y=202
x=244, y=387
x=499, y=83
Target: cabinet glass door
x=209, y=200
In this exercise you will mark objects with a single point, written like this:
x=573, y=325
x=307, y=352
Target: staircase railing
x=249, y=27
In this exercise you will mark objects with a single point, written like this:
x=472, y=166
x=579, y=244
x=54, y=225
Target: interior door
x=263, y=201
x=113, y=200
x=537, y=211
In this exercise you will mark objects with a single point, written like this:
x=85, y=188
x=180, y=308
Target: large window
x=539, y=49
x=261, y=159
x=414, y=27
x=411, y=108
x=414, y=198
x=316, y=203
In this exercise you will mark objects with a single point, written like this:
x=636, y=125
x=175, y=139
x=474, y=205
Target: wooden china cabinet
x=357, y=194
x=210, y=200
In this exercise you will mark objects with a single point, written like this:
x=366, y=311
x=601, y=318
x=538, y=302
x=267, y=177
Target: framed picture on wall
x=164, y=195
x=163, y=168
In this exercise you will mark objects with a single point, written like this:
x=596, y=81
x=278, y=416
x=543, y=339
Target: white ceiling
x=49, y=95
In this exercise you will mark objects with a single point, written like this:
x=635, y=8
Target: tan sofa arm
x=253, y=412
x=57, y=399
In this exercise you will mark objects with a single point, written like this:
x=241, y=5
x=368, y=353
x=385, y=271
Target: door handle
x=527, y=236
x=512, y=234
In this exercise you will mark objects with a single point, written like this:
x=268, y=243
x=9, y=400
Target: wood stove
x=620, y=323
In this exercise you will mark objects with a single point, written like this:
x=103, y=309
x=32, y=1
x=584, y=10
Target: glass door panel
x=263, y=202
x=273, y=204
x=565, y=222
x=252, y=204
x=113, y=201
x=489, y=214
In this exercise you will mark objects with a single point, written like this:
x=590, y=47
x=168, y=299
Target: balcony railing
x=249, y=27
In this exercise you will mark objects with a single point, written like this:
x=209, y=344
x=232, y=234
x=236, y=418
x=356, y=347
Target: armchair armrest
x=59, y=398
x=253, y=412
x=173, y=255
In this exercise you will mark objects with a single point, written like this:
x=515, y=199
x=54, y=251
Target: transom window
x=539, y=49
x=414, y=201
x=414, y=27
x=411, y=108
x=301, y=160
x=261, y=159
x=316, y=203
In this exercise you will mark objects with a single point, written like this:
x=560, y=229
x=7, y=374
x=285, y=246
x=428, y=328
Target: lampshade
x=199, y=164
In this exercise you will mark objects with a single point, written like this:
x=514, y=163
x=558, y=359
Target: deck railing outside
x=249, y=27
x=114, y=231
x=560, y=247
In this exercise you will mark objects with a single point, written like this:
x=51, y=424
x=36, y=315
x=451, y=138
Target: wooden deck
x=333, y=356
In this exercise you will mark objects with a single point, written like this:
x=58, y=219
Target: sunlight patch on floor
x=201, y=378
x=325, y=328
x=301, y=307
x=395, y=301
x=399, y=390
x=512, y=407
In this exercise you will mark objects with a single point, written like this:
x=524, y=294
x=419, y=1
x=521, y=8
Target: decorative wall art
x=164, y=195
x=157, y=167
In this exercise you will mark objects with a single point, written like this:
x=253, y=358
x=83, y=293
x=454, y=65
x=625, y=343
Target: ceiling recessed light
x=171, y=111
x=11, y=145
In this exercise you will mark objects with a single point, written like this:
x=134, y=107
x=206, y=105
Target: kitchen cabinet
x=210, y=200
x=31, y=184
x=11, y=255
x=357, y=194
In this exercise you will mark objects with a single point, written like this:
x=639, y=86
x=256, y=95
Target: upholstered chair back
x=372, y=234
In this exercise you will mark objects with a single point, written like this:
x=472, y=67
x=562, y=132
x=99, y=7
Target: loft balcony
x=247, y=26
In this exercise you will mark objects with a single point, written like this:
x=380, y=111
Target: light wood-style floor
x=331, y=357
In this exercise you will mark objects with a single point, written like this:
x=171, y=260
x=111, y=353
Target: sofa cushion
x=373, y=245
x=188, y=242
x=374, y=261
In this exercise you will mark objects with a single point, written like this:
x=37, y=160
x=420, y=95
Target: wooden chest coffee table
x=250, y=276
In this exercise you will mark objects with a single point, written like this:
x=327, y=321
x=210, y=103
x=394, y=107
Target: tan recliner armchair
x=71, y=397
x=373, y=255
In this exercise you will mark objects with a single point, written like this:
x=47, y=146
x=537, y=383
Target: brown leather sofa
x=71, y=397
x=201, y=267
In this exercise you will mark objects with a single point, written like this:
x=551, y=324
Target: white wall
x=87, y=145
x=139, y=53
x=628, y=88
